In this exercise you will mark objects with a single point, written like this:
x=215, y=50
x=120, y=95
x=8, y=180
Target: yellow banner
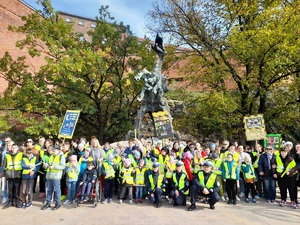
x=255, y=127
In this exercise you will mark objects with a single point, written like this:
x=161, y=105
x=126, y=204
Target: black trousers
x=231, y=189
x=108, y=188
x=249, y=188
x=181, y=199
x=214, y=197
x=13, y=187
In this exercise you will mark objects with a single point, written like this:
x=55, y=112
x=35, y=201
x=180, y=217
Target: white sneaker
x=223, y=199
x=105, y=201
x=238, y=199
x=242, y=195
x=170, y=200
x=4, y=200
x=110, y=201
x=67, y=202
x=130, y=202
x=121, y=201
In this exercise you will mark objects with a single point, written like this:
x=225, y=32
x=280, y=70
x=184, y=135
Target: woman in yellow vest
x=284, y=169
x=139, y=181
x=231, y=177
x=127, y=180
x=249, y=178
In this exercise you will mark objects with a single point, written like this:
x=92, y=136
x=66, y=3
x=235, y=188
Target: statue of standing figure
x=155, y=83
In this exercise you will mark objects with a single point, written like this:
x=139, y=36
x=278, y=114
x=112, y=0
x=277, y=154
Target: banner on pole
x=68, y=125
x=255, y=127
x=163, y=125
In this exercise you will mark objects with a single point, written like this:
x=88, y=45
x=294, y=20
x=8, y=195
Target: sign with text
x=255, y=127
x=163, y=125
x=68, y=126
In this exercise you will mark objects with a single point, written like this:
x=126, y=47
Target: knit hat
x=188, y=155
x=288, y=143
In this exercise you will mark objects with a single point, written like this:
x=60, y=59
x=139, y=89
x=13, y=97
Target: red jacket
x=188, y=168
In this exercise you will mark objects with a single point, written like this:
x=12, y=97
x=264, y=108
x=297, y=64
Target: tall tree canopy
x=246, y=50
x=94, y=76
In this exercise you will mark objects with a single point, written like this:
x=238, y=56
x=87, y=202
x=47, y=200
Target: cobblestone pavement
x=146, y=213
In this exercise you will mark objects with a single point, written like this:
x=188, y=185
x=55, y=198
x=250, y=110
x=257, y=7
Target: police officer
x=179, y=186
x=205, y=183
x=154, y=185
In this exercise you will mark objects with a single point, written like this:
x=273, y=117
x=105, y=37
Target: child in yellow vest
x=249, y=178
x=127, y=180
x=72, y=171
x=139, y=181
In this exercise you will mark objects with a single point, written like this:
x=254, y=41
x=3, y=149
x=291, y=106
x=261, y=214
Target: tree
x=91, y=76
x=251, y=46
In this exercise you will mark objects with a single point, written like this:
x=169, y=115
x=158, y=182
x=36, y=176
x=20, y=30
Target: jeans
x=139, y=192
x=4, y=187
x=71, y=195
x=270, y=188
x=27, y=188
x=53, y=187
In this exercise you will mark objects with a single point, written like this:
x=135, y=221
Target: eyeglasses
x=268, y=148
x=29, y=141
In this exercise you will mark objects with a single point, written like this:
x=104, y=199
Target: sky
x=130, y=12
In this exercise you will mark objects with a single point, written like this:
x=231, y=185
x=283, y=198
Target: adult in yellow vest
x=108, y=170
x=205, y=183
x=55, y=169
x=13, y=171
x=179, y=185
x=30, y=166
x=154, y=185
x=284, y=168
x=255, y=155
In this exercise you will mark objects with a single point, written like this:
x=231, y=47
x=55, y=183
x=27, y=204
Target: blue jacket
x=264, y=166
x=26, y=167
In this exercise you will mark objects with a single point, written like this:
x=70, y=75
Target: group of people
x=142, y=170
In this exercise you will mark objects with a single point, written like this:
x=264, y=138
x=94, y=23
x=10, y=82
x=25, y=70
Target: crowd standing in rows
x=142, y=170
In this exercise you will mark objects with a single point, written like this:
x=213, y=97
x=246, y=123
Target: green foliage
x=247, y=47
x=89, y=74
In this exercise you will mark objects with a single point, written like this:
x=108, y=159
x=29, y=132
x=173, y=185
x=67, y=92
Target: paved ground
x=146, y=213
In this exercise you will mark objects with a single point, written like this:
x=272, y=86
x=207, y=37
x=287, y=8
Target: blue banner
x=68, y=126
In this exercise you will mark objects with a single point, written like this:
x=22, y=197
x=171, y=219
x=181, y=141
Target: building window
x=93, y=25
x=81, y=23
x=68, y=20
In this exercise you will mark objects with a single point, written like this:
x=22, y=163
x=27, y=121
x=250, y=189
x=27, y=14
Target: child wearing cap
x=127, y=173
x=30, y=166
x=163, y=158
x=72, y=171
x=139, y=181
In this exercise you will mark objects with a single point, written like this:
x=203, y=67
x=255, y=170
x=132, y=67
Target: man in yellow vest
x=179, y=186
x=55, y=167
x=205, y=183
x=154, y=185
x=13, y=171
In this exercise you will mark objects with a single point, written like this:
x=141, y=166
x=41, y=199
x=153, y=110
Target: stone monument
x=152, y=98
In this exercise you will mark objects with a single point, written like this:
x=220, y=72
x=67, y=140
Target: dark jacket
x=186, y=182
x=89, y=175
x=198, y=185
x=263, y=166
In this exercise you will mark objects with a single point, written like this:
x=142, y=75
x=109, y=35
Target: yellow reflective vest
x=280, y=166
x=127, y=175
x=196, y=163
x=109, y=170
x=180, y=185
x=210, y=182
x=171, y=168
x=217, y=167
x=159, y=181
x=14, y=162
x=30, y=163
x=140, y=176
